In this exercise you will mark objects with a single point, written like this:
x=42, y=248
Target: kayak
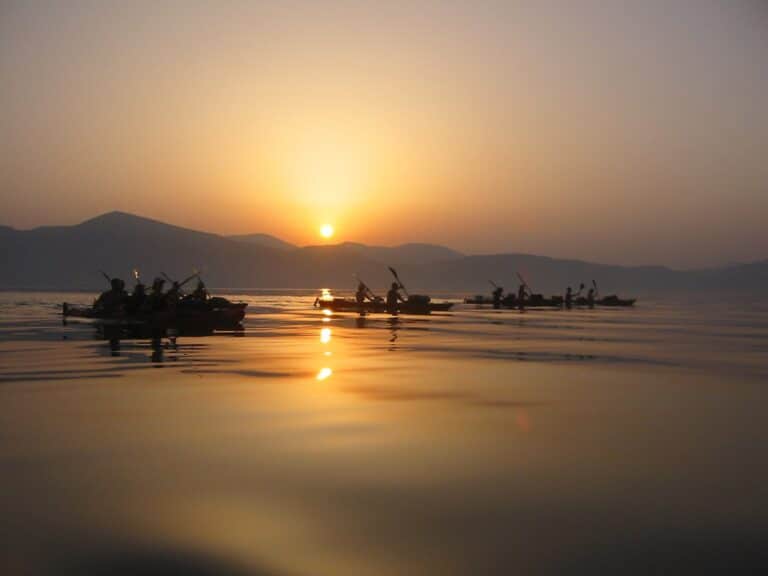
x=510, y=301
x=610, y=301
x=539, y=301
x=418, y=306
x=213, y=313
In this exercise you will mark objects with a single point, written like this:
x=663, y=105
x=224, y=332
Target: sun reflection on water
x=324, y=373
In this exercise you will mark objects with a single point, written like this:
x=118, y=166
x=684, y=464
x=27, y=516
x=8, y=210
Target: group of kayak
x=395, y=303
x=525, y=298
x=366, y=301
x=160, y=308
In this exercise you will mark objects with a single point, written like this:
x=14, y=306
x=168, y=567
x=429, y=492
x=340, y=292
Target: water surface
x=469, y=442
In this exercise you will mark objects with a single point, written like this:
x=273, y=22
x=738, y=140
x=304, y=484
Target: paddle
x=370, y=292
x=523, y=282
x=493, y=283
x=594, y=284
x=106, y=276
x=187, y=279
x=394, y=273
x=183, y=282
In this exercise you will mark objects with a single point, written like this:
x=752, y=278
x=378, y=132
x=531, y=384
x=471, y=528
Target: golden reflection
x=324, y=373
x=327, y=312
x=325, y=335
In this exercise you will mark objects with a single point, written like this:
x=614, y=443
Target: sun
x=326, y=230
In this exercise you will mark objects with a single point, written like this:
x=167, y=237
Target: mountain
x=70, y=257
x=403, y=255
x=264, y=240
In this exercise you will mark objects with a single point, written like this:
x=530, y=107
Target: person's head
x=158, y=284
x=569, y=290
x=115, y=283
x=395, y=286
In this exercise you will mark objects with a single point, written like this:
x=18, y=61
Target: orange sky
x=627, y=134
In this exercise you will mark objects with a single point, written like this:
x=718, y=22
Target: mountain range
x=71, y=258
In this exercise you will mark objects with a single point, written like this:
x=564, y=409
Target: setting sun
x=326, y=231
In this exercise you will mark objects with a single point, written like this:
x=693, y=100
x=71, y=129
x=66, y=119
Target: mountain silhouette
x=267, y=240
x=70, y=257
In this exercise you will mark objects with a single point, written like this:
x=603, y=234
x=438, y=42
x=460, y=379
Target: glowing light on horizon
x=326, y=231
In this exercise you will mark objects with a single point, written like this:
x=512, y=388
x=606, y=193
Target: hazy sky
x=614, y=131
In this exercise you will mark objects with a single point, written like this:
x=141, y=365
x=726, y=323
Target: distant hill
x=70, y=257
x=403, y=255
x=264, y=240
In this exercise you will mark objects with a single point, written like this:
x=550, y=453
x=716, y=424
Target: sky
x=628, y=132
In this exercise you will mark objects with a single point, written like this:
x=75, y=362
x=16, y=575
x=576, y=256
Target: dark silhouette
x=393, y=297
x=569, y=297
x=200, y=292
x=156, y=298
x=113, y=300
x=591, y=298
x=136, y=301
x=521, y=294
x=498, y=295
x=363, y=293
x=65, y=257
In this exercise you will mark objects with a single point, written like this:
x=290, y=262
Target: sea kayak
x=213, y=313
x=511, y=301
x=538, y=301
x=608, y=301
x=408, y=307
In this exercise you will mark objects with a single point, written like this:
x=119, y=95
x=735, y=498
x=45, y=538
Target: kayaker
x=173, y=296
x=362, y=293
x=591, y=298
x=156, y=298
x=569, y=297
x=136, y=300
x=113, y=299
x=393, y=297
x=200, y=292
x=497, y=296
x=521, y=294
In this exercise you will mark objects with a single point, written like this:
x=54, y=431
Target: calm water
x=471, y=442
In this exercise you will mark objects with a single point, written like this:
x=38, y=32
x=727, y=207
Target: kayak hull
x=537, y=301
x=189, y=316
x=553, y=302
x=347, y=305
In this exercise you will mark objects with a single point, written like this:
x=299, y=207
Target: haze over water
x=469, y=442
